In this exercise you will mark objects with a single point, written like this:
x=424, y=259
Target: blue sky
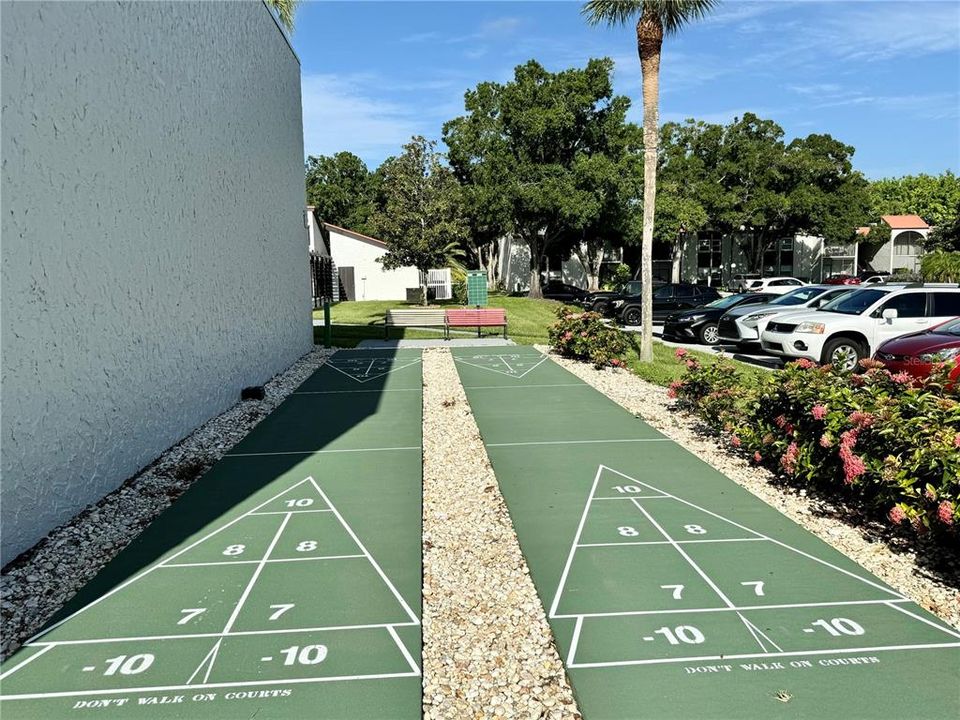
x=883, y=76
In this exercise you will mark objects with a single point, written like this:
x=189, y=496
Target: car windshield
x=728, y=301
x=854, y=303
x=798, y=296
x=949, y=328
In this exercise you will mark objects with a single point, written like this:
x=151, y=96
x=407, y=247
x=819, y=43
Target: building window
x=907, y=243
x=709, y=256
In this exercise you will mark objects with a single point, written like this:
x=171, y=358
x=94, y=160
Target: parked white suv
x=850, y=328
x=775, y=285
x=742, y=324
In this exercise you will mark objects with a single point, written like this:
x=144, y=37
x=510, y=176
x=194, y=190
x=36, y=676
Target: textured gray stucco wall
x=154, y=258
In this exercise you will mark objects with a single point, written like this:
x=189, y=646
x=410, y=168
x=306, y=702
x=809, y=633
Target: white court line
x=514, y=387
x=243, y=683
x=677, y=542
x=350, y=392
x=364, y=550
x=509, y=368
x=739, y=608
x=836, y=651
x=543, y=359
x=324, y=452
x=638, y=497
x=403, y=649
x=372, y=377
x=25, y=662
x=702, y=574
x=256, y=573
x=208, y=660
x=573, y=545
x=949, y=631
x=256, y=562
x=284, y=512
x=577, y=442
x=766, y=537
x=234, y=633
x=575, y=641
x=124, y=584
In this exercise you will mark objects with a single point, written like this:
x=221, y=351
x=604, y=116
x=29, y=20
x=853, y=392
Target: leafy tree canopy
x=421, y=219
x=546, y=156
x=936, y=198
x=342, y=190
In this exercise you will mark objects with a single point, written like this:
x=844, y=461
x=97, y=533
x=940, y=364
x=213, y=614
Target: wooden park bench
x=414, y=318
x=478, y=318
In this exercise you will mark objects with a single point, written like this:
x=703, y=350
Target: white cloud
x=339, y=114
x=884, y=30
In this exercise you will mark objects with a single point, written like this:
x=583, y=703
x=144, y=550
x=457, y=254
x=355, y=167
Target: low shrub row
x=874, y=437
x=585, y=336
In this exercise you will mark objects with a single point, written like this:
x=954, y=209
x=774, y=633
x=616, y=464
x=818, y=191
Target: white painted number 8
x=627, y=531
x=307, y=546
x=234, y=549
x=694, y=529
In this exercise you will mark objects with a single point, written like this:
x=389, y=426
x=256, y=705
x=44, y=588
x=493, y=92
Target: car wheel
x=843, y=353
x=709, y=335
x=599, y=306
x=631, y=316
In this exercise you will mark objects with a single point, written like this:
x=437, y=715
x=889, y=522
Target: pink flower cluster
x=804, y=364
x=826, y=441
x=853, y=466
x=819, y=411
x=903, y=377
x=861, y=420
x=956, y=440
x=567, y=335
x=757, y=457
x=789, y=460
x=735, y=441
x=896, y=515
x=945, y=512
x=672, y=390
x=680, y=353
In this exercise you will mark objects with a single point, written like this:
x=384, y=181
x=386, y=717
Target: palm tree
x=656, y=19
x=284, y=10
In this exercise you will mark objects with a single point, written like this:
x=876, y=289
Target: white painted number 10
x=681, y=634
x=840, y=626
x=302, y=502
x=307, y=655
x=128, y=665
x=626, y=489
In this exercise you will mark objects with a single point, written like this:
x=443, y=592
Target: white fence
x=440, y=282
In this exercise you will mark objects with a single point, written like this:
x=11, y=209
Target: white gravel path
x=488, y=651
x=938, y=592
x=37, y=584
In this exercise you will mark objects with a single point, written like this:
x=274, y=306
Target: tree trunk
x=649, y=42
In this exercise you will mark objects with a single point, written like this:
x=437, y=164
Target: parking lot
x=757, y=358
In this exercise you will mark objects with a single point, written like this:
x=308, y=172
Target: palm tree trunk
x=649, y=43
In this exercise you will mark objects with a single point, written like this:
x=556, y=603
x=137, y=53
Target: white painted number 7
x=280, y=610
x=757, y=586
x=189, y=614
x=677, y=590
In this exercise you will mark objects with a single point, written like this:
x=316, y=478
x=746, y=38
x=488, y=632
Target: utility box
x=477, y=288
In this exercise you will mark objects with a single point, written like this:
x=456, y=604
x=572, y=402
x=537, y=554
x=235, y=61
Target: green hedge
x=878, y=438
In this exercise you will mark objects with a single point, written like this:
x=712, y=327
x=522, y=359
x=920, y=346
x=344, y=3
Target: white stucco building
x=904, y=248
x=154, y=257
x=356, y=256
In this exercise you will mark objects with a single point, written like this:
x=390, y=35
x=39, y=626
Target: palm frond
x=673, y=14
x=285, y=10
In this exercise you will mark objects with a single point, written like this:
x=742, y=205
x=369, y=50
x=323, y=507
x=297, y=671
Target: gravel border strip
x=487, y=648
x=898, y=568
x=36, y=584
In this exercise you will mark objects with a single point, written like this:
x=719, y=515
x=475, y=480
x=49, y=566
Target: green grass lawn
x=528, y=321
x=358, y=320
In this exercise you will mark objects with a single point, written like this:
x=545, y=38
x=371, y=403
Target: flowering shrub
x=586, y=337
x=875, y=436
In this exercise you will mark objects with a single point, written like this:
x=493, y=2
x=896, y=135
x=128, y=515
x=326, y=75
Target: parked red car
x=917, y=353
x=842, y=280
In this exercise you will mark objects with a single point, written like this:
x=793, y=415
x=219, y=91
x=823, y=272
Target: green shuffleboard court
x=285, y=583
x=674, y=593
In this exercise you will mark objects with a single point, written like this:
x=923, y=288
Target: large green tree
x=342, y=190
x=654, y=19
x=935, y=198
x=421, y=220
x=538, y=156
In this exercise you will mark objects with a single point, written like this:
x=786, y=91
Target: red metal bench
x=478, y=318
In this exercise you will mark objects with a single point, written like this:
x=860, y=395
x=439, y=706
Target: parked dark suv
x=667, y=299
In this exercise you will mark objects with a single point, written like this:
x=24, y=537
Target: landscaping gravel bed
x=487, y=649
x=35, y=585
x=937, y=590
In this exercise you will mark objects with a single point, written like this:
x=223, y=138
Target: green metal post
x=327, y=328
